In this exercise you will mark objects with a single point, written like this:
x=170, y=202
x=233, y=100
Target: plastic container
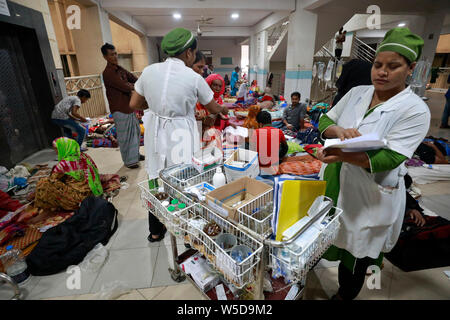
x=226, y=241
x=212, y=229
x=240, y=252
x=171, y=209
x=161, y=196
x=14, y=263
x=219, y=179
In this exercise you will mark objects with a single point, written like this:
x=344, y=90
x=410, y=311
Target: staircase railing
x=362, y=51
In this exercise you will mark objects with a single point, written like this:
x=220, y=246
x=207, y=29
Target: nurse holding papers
x=369, y=185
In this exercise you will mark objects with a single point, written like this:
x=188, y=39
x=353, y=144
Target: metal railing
x=362, y=51
x=96, y=105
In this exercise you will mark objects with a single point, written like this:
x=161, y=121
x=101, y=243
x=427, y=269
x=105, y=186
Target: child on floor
x=269, y=142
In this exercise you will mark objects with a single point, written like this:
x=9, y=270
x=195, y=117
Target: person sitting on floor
x=73, y=179
x=66, y=112
x=267, y=101
x=250, y=122
x=431, y=152
x=294, y=115
x=269, y=142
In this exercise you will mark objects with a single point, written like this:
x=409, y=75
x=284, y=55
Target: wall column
x=432, y=29
x=252, y=71
x=300, y=52
x=262, y=62
x=94, y=32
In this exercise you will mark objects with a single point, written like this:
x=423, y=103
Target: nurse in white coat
x=369, y=186
x=170, y=90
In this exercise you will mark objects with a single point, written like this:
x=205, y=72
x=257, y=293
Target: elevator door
x=20, y=127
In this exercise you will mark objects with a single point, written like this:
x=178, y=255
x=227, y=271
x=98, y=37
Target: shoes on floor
x=133, y=166
x=444, y=127
x=161, y=236
x=141, y=157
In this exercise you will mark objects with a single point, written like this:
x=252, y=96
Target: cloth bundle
x=302, y=165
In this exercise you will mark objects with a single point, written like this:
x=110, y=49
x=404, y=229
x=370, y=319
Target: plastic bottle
x=219, y=178
x=15, y=265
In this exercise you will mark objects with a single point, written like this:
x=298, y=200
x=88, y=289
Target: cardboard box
x=227, y=199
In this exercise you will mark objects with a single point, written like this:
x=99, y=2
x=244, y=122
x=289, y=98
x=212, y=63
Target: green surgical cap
x=176, y=41
x=404, y=42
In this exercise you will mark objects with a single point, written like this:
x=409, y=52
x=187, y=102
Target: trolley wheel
x=176, y=275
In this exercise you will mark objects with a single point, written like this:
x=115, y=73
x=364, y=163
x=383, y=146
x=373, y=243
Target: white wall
x=222, y=48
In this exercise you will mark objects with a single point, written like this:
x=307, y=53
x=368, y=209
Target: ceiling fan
x=204, y=20
x=200, y=32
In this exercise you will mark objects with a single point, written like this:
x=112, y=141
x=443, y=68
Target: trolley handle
x=280, y=244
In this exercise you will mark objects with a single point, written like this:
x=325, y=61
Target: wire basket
x=237, y=273
x=256, y=216
x=293, y=265
x=186, y=175
x=171, y=220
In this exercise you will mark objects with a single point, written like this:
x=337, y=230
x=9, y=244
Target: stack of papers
x=370, y=141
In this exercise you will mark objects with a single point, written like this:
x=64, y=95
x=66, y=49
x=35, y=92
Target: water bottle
x=219, y=178
x=14, y=263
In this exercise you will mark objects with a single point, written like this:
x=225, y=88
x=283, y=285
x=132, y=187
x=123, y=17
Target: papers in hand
x=370, y=141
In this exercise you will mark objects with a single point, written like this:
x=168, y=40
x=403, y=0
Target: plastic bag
x=112, y=290
x=19, y=171
x=95, y=259
x=267, y=283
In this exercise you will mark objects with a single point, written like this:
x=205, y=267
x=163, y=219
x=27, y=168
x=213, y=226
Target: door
x=20, y=127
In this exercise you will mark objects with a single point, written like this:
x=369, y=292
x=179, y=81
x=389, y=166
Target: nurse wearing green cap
x=171, y=90
x=369, y=186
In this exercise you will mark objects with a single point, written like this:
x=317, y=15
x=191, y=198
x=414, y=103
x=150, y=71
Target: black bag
x=424, y=247
x=309, y=136
x=68, y=243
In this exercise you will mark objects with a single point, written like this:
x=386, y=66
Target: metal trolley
x=253, y=229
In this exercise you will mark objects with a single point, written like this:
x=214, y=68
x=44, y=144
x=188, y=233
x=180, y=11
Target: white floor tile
x=150, y=293
x=133, y=234
x=180, y=292
x=135, y=267
x=162, y=277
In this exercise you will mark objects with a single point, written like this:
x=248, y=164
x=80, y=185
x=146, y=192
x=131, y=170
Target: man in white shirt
x=169, y=91
x=65, y=115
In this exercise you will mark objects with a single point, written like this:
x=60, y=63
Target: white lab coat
x=171, y=90
x=374, y=204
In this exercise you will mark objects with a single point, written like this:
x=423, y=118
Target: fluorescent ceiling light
x=402, y=24
x=177, y=16
x=235, y=15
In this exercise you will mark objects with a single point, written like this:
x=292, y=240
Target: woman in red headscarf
x=217, y=85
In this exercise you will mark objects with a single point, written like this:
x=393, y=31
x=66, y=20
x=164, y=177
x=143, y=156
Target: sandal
x=161, y=236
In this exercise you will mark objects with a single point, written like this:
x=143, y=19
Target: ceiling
x=162, y=18
x=156, y=16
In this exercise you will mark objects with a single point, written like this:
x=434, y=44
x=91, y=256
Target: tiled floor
x=142, y=266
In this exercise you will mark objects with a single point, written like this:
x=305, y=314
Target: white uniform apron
x=374, y=203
